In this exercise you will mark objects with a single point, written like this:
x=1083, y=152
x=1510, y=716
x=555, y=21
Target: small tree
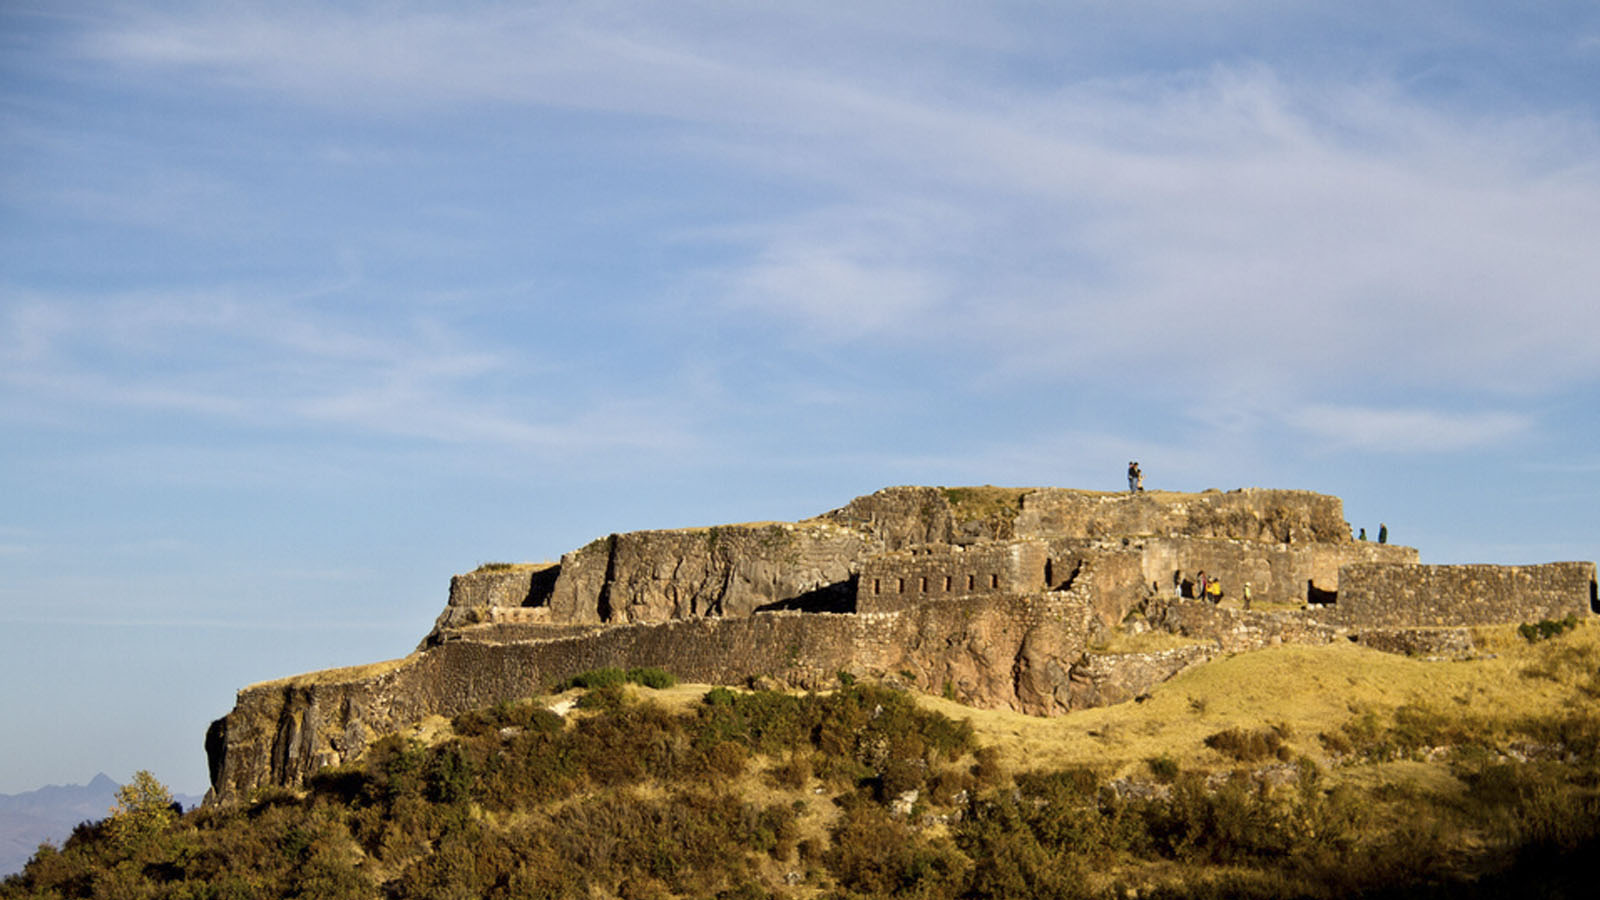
x=143, y=811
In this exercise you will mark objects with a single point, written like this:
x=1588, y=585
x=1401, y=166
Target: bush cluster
x=640, y=803
x=1545, y=629
x=609, y=676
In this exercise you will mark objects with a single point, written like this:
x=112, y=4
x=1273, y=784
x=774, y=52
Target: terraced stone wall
x=1000, y=651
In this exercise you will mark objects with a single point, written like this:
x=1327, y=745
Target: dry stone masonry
x=995, y=596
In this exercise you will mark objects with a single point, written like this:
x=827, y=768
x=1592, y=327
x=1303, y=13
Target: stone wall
x=1103, y=679
x=1388, y=595
x=732, y=570
x=1236, y=630
x=1252, y=514
x=1432, y=643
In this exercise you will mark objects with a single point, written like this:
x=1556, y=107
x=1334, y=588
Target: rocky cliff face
x=992, y=595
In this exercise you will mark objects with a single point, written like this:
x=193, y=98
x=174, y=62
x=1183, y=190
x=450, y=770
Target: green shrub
x=649, y=677
x=603, y=677
x=1545, y=629
x=876, y=856
x=652, y=678
x=793, y=773
x=1163, y=767
x=1249, y=746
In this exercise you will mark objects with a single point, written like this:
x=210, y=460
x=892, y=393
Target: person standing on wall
x=1383, y=533
x=1133, y=476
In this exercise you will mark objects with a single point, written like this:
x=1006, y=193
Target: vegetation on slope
x=1307, y=772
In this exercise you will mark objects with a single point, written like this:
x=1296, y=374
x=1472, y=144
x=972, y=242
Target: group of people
x=1207, y=588
x=1383, y=534
x=1135, y=477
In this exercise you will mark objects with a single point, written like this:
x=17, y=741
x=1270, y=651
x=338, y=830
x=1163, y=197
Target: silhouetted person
x=1383, y=533
x=1363, y=535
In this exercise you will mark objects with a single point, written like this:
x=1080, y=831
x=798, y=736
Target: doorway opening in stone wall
x=1594, y=595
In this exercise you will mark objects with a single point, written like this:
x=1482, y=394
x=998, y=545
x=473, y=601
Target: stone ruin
x=997, y=597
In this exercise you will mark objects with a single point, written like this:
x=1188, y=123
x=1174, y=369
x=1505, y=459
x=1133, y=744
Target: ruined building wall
x=474, y=593
x=1112, y=575
x=908, y=578
x=1387, y=595
x=895, y=581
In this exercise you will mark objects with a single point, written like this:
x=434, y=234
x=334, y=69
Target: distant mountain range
x=50, y=813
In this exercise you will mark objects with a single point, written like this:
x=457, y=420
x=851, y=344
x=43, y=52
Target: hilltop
x=1036, y=600
x=928, y=692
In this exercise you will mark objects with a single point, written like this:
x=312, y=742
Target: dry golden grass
x=513, y=567
x=1118, y=640
x=1307, y=689
x=337, y=676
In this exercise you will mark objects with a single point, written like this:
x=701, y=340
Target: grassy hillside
x=1295, y=771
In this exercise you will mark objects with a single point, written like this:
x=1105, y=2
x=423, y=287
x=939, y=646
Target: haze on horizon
x=304, y=307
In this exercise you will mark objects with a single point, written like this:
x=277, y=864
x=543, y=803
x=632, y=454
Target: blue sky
x=305, y=307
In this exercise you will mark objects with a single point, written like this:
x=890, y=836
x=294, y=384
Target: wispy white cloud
x=273, y=363
x=1295, y=223
x=1407, y=430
